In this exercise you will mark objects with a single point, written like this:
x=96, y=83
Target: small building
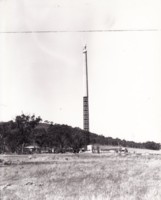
x=32, y=149
x=93, y=148
x=97, y=148
x=89, y=148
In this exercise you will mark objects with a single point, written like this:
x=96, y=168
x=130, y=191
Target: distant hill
x=59, y=136
x=102, y=140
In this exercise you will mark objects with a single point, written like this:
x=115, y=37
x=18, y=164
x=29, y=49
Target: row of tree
x=26, y=130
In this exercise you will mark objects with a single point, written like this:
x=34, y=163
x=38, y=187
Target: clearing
x=85, y=176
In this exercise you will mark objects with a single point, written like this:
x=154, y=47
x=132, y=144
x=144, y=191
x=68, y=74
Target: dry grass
x=81, y=177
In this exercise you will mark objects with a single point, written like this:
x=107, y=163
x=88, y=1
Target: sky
x=42, y=73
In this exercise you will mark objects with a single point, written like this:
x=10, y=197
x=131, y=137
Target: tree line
x=28, y=130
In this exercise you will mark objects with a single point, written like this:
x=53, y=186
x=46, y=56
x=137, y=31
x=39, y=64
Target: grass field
x=83, y=176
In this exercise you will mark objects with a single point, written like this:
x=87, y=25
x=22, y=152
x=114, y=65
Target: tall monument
x=86, y=97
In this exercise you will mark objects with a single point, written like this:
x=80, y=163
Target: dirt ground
x=132, y=176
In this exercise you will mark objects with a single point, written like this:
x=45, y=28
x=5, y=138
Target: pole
x=85, y=98
x=86, y=71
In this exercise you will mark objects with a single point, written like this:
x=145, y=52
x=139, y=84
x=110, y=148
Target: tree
x=152, y=145
x=41, y=137
x=25, y=124
x=79, y=139
x=5, y=133
x=59, y=136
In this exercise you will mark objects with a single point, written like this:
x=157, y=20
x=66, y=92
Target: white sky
x=42, y=73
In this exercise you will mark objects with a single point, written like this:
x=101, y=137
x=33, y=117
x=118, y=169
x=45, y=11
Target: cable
x=80, y=31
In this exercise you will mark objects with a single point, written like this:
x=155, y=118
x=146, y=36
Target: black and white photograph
x=80, y=99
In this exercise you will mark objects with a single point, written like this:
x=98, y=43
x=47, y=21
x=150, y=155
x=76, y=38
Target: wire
x=80, y=31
